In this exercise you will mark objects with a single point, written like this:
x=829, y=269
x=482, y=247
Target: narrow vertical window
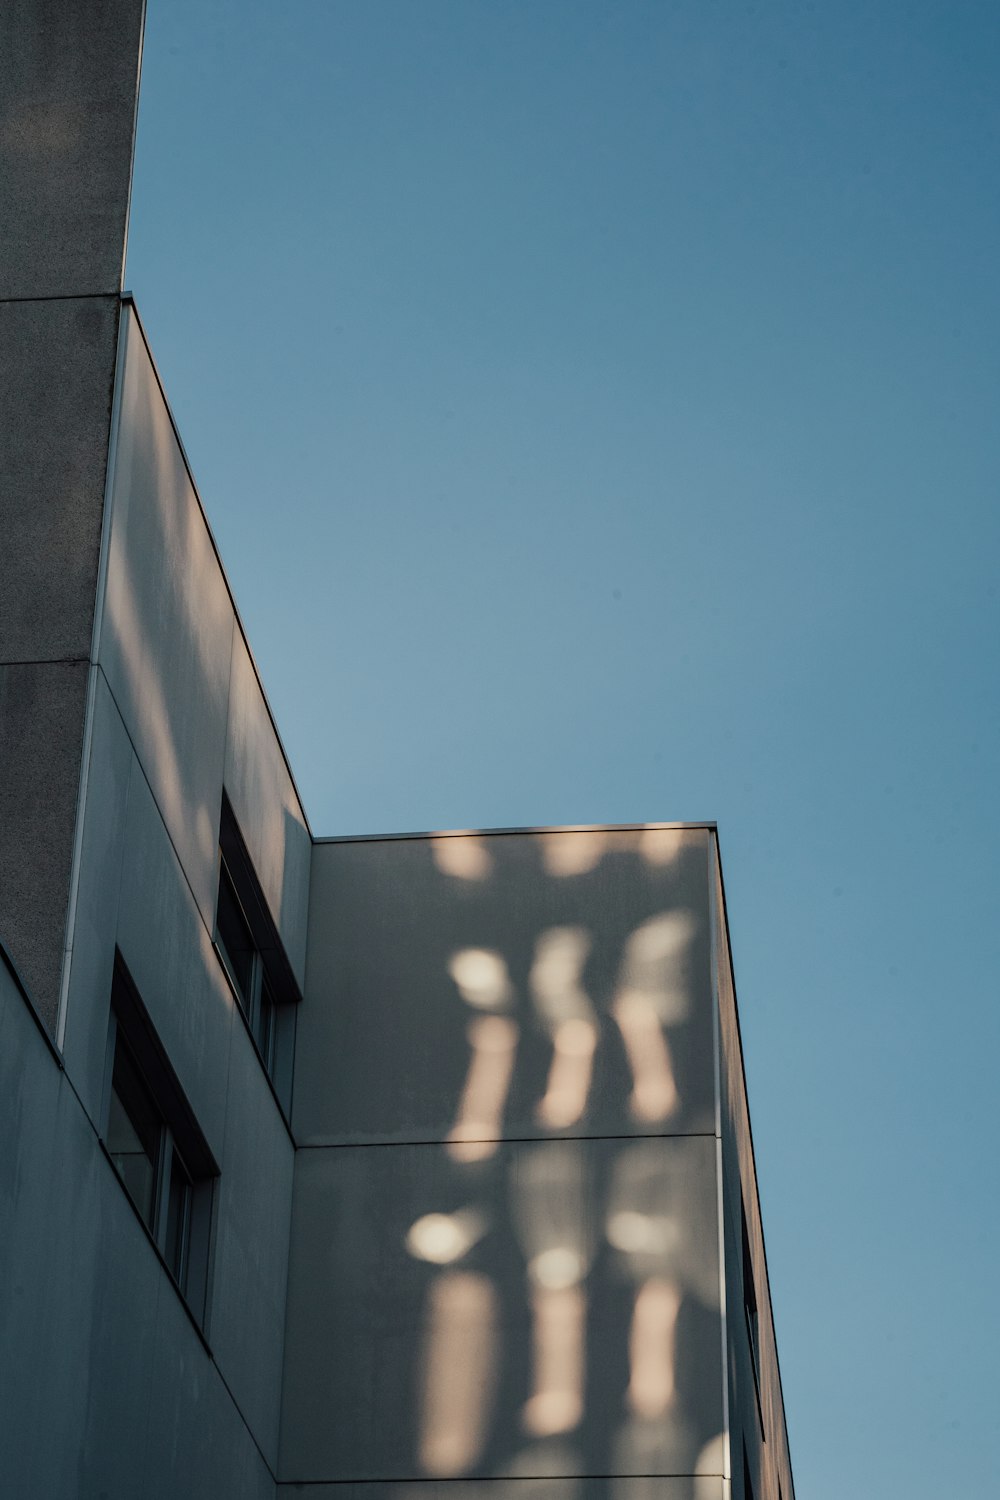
x=235, y=940
x=750, y=1301
x=155, y=1146
x=253, y=958
x=751, y=1317
x=133, y=1134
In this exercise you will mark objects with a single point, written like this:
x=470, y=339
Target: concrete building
x=420, y=1166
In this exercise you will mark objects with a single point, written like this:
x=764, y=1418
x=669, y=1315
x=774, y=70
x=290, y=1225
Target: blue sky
x=596, y=408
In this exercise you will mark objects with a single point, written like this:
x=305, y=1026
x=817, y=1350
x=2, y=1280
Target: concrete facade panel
x=79, y=1285
x=106, y=1389
x=267, y=807
x=69, y=76
x=42, y=709
x=508, y=985
x=168, y=625
x=247, y=1327
x=51, y=1319
x=198, y=1445
x=95, y=926
x=552, y=1309
x=169, y=954
x=30, y=1085
x=126, y=1282
x=56, y=381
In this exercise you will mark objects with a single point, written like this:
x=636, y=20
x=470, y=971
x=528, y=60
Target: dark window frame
x=136, y=1058
x=254, y=960
x=751, y=1314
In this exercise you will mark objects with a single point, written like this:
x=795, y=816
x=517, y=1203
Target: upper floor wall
x=179, y=668
x=175, y=716
x=574, y=961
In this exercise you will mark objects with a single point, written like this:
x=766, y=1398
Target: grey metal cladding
x=42, y=710
x=69, y=75
x=566, y=920
x=482, y=1319
x=56, y=382
x=253, y=1215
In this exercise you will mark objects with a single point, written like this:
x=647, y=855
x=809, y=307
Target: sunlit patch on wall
x=641, y=1234
x=660, y=847
x=566, y=1009
x=559, y=1318
x=444, y=1238
x=479, y=1118
x=549, y=1202
x=457, y=1378
x=464, y=856
x=482, y=978
x=572, y=851
x=652, y=992
x=652, y=1384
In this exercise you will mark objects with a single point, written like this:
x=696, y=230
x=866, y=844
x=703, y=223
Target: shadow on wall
x=528, y=1284
x=168, y=625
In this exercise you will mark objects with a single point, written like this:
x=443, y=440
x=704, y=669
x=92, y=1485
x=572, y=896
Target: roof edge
x=459, y=833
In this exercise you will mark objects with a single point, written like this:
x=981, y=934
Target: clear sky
x=596, y=405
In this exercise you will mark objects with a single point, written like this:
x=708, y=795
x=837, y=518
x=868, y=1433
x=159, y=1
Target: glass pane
x=134, y=1133
x=234, y=938
x=264, y=1024
x=178, y=1220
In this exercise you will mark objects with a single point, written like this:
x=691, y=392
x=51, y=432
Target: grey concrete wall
x=177, y=715
x=504, y=1259
x=179, y=670
x=69, y=77
x=757, y=1421
x=134, y=897
x=106, y=1389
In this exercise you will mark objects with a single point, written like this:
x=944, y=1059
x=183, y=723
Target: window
x=155, y=1146
x=253, y=957
x=751, y=1315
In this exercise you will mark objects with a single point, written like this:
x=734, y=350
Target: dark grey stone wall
x=68, y=94
x=57, y=370
x=69, y=79
x=41, y=733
